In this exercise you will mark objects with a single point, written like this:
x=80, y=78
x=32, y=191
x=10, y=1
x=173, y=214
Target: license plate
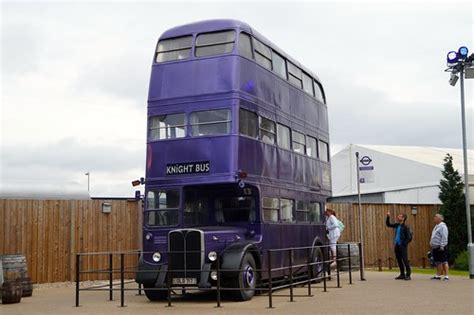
x=180, y=281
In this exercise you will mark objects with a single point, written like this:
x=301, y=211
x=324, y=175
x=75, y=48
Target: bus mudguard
x=233, y=254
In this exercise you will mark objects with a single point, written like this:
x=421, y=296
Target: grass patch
x=428, y=271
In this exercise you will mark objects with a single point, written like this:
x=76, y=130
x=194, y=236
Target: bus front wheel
x=246, y=281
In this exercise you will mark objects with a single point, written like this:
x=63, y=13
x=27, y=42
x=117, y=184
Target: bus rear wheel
x=317, y=269
x=246, y=280
x=155, y=295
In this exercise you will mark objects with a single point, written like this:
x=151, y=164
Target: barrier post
x=350, y=263
x=218, y=281
x=423, y=262
x=269, y=266
x=291, y=274
x=389, y=263
x=168, y=279
x=139, y=285
x=78, y=266
x=379, y=262
x=337, y=267
x=361, y=263
x=122, y=280
x=111, y=277
x=310, y=271
x=324, y=276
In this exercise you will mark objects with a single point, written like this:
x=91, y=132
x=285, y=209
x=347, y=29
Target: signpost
x=365, y=174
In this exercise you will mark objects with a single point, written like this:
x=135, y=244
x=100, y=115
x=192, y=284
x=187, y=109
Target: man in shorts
x=438, y=244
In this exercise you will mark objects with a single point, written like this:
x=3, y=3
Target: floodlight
x=453, y=79
x=452, y=56
x=462, y=52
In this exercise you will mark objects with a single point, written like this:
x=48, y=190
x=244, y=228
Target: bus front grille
x=186, y=253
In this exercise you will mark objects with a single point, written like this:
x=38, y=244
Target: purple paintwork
x=232, y=81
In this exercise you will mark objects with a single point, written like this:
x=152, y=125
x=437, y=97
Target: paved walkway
x=380, y=294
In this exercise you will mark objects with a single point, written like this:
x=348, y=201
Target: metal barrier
x=289, y=276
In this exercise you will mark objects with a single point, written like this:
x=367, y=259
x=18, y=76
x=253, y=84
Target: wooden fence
x=50, y=232
x=378, y=238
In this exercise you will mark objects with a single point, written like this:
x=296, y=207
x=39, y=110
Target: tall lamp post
x=88, y=174
x=459, y=63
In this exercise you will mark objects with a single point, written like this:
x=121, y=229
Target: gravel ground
x=380, y=294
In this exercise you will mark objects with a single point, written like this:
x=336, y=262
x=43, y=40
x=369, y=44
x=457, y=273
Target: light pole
x=88, y=174
x=458, y=63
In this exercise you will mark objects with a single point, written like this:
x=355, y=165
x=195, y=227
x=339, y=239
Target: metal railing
x=288, y=275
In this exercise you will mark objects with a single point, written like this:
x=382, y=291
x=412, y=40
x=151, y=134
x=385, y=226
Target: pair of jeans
x=401, y=252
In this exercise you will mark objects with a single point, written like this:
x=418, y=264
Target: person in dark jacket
x=402, y=238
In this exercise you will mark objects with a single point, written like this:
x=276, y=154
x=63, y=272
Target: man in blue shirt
x=402, y=237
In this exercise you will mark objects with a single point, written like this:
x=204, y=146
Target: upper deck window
x=311, y=147
x=299, y=143
x=267, y=130
x=174, y=49
x=162, y=207
x=245, y=45
x=283, y=137
x=263, y=54
x=323, y=151
x=167, y=127
x=211, y=44
x=248, y=123
x=210, y=122
x=294, y=75
x=270, y=209
x=318, y=92
x=308, y=84
x=279, y=66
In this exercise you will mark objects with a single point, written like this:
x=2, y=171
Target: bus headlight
x=214, y=275
x=148, y=236
x=212, y=256
x=156, y=257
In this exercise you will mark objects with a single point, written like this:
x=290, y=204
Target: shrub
x=461, y=262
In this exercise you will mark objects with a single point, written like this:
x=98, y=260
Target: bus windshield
x=213, y=207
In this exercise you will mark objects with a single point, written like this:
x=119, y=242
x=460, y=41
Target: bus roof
x=222, y=24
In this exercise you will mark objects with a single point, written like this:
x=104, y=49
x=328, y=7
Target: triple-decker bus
x=237, y=159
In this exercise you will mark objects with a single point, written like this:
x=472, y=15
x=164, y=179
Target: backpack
x=340, y=225
x=409, y=234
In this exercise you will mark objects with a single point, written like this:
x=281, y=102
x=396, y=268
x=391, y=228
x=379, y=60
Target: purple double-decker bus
x=237, y=160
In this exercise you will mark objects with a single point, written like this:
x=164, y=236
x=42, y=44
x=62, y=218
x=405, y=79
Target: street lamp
x=458, y=62
x=88, y=174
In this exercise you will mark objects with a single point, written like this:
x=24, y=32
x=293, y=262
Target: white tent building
x=395, y=174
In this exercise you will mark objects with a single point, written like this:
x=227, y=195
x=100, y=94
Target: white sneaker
x=446, y=278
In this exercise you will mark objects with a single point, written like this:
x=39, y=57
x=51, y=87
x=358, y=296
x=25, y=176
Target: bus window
x=299, y=143
x=318, y=92
x=167, y=127
x=286, y=210
x=263, y=54
x=174, y=49
x=311, y=147
x=267, y=130
x=314, y=212
x=248, y=123
x=279, y=66
x=294, y=75
x=308, y=84
x=211, y=44
x=162, y=207
x=210, y=122
x=323, y=151
x=270, y=209
x=302, y=212
x=245, y=46
x=283, y=137
x=195, y=208
x=235, y=209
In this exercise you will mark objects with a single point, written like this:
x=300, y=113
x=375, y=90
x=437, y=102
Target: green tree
x=453, y=209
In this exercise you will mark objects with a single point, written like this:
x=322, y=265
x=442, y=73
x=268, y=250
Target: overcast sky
x=74, y=79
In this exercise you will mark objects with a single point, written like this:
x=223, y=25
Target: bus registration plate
x=184, y=281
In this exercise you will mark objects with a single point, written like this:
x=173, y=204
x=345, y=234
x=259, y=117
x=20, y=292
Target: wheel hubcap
x=249, y=276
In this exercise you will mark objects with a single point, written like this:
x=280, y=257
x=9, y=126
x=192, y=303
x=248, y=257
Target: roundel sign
x=365, y=160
